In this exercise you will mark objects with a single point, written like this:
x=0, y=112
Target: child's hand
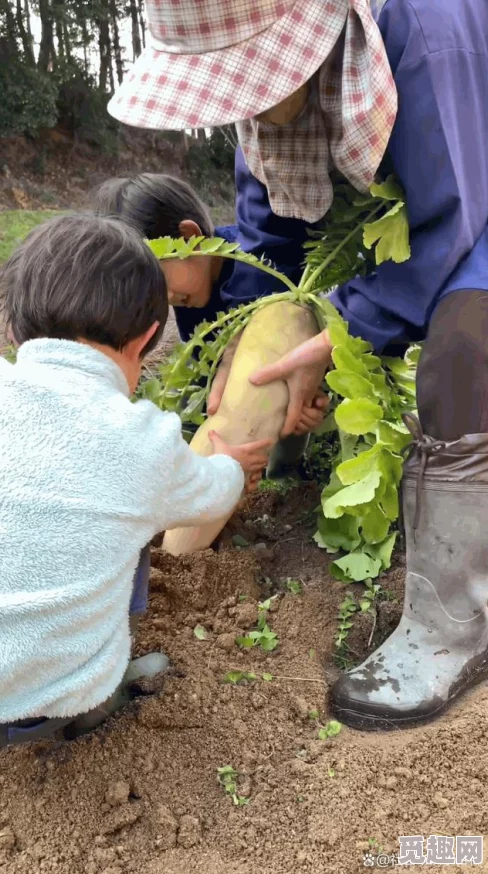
x=252, y=482
x=251, y=456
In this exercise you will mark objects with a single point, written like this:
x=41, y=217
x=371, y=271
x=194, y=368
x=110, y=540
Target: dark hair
x=84, y=276
x=153, y=203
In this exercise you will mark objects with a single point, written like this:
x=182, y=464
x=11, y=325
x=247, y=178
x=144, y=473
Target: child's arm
x=196, y=490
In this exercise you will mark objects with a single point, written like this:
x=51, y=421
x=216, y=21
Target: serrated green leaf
x=246, y=642
x=355, y=469
x=349, y=385
x=349, y=444
x=358, y=416
x=393, y=436
x=268, y=644
x=358, y=494
x=383, y=552
x=355, y=567
x=236, y=677
x=389, y=501
x=151, y=389
x=233, y=677
x=374, y=525
x=347, y=361
x=227, y=770
x=342, y=533
x=387, y=190
x=412, y=355
x=390, y=233
x=331, y=729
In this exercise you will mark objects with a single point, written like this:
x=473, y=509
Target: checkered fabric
x=210, y=62
x=346, y=123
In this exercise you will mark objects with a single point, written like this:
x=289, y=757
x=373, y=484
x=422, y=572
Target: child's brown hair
x=84, y=277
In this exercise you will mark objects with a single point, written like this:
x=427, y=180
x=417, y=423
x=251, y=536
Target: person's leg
x=440, y=647
x=146, y=666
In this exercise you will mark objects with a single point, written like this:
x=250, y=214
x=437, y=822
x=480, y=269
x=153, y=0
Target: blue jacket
x=438, y=51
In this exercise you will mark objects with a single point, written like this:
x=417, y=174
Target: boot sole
x=364, y=722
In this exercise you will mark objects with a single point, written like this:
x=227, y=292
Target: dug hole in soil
x=141, y=794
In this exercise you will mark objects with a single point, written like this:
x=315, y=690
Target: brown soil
x=141, y=794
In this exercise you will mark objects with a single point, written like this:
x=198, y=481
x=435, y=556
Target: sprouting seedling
x=236, y=677
x=201, y=633
x=262, y=635
x=330, y=729
x=372, y=593
x=227, y=777
x=294, y=586
x=346, y=611
x=374, y=845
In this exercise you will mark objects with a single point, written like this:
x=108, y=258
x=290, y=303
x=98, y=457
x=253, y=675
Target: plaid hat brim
x=174, y=91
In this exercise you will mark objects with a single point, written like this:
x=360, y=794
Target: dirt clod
x=167, y=827
x=117, y=793
x=226, y=641
x=7, y=839
x=246, y=615
x=190, y=832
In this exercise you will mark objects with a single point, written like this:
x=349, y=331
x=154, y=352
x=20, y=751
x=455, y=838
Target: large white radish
x=248, y=412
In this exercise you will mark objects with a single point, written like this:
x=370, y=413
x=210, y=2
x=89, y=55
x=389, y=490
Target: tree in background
x=66, y=76
x=78, y=59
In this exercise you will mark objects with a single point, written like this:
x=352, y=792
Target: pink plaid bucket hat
x=212, y=62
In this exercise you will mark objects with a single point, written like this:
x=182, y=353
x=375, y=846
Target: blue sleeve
x=438, y=150
x=260, y=231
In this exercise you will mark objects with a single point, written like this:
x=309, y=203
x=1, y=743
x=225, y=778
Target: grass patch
x=15, y=224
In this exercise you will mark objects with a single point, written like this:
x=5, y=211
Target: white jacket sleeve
x=194, y=490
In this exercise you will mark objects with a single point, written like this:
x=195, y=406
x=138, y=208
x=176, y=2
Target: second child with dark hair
x=158, y=205
x=88, y=477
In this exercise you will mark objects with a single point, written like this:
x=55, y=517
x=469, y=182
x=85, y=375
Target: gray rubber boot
x=286, y=456
x=440, y=647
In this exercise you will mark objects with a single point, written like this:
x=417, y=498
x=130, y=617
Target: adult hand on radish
x=251, y=456
x=311, y=410
x=303, y=370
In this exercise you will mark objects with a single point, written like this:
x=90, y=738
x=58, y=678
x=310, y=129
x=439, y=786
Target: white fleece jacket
x=87, y=479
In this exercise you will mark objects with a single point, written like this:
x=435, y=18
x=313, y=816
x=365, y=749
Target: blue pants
x=140, y=586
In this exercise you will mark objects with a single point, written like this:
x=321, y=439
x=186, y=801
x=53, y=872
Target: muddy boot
x=440, y=647
x=145, y=667
x=284, y=460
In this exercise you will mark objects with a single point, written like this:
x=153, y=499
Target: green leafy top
x=368, y=394
x=349, y=243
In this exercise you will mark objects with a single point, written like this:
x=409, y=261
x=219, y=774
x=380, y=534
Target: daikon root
x=248, y=412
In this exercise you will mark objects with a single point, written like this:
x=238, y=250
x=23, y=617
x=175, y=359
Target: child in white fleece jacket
x=88, y=477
